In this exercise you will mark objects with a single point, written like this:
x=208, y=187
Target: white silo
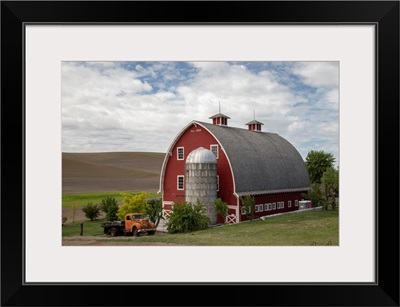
x=201, y=180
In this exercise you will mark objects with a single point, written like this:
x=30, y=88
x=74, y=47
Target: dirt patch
x=109, y=241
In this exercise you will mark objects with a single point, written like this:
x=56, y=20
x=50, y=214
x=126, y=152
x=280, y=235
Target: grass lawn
x=82, y=199
x=90, y=228
x=302, y=229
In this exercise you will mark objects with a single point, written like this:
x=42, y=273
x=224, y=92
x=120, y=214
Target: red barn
x=248, y=162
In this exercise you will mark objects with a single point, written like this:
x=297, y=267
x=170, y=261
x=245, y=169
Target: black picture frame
x=383, y=14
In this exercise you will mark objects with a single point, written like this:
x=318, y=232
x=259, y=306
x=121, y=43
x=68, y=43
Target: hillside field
x=111, y=172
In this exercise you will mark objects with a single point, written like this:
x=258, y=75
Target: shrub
x=110, y=207
x=64, y=219
x=221, y=207
x=154, y=210
x=92, y=211
x=187, y=217
x=132, y=204
x=248, y=205
x=315, y=194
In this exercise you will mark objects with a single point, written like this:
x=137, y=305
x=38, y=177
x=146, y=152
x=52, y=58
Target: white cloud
x=142, y=106
x=318, y=74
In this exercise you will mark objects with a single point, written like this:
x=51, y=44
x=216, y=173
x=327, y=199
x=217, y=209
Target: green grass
x=90, y=228
x=302, y=229
x=82, y=199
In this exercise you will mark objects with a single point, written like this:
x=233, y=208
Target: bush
x=133, y=203
x=154, y=210
x=91, y=211
x=221, y=207
x=187, y=217
x=110, y=207
x=248, y=205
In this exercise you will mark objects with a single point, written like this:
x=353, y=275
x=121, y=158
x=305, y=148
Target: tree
x=315, y=194
x=317, y=162
x=132, y=204
x=248, y=205
x=110, y=207
x=187, y=217
x=221, y=208
x=154, y=210
x=330, y=182
x=92, y=211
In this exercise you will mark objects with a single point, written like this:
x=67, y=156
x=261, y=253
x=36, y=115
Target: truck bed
x=113, y=224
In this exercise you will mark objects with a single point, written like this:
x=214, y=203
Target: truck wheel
x=114, y=232
x=135, y=232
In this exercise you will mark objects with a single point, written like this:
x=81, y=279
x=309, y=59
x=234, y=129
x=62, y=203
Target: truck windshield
x=138, y=216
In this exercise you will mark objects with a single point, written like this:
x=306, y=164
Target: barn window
x=296, y=203
x=289, y=203
x=261, y=208
x=273, y=206
x=214, y=150
x=180, y=154
x=256, y=207
x=180, y=182
x=268, y=207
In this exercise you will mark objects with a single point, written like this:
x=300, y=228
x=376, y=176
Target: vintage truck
x=134, y=224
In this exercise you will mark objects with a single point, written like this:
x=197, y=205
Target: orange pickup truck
x=133, y=225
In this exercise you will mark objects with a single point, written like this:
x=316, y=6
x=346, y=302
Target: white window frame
x=268, y=207
x=296, y=203
x=256, y=208
x=183, y=153
x=183, y=182
x=211, y=149
x=273, y=206
x=289, y=203
x=261, y=208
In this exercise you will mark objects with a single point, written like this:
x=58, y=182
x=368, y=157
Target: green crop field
x=82, y=199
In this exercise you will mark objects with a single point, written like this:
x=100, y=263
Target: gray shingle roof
x=254, y=122
x=219, y=115
x=261, y=161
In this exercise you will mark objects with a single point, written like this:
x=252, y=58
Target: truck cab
x=137, y=223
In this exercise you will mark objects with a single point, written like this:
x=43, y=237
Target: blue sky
x=141, y=106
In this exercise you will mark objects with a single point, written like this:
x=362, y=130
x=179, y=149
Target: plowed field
x=111, y=171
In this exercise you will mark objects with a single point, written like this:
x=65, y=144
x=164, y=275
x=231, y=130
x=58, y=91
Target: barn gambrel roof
x=261, y=162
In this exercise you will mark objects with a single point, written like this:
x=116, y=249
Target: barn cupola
x=254, y=125
x=219, y=118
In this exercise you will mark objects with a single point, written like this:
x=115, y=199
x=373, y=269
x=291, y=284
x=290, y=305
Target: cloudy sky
x=141, y=106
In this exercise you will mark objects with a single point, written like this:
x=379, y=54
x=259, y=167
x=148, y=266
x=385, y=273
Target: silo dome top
x=201, y=155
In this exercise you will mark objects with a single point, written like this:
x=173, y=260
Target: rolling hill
x=111, y=171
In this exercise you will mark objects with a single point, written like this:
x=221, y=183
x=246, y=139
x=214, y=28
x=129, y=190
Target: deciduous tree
x=317, y=162
x=132, y=203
